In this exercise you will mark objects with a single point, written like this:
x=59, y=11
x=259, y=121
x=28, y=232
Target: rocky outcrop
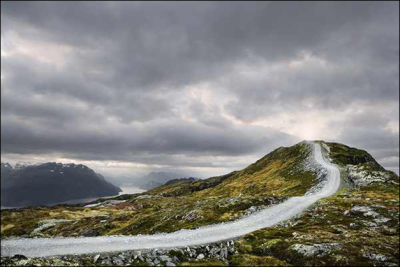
x=359, y=175
x=316, y=250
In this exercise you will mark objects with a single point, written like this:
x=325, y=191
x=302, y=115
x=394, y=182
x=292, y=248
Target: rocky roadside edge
x=157, y=257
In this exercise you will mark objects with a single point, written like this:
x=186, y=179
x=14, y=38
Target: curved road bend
x=270, y=216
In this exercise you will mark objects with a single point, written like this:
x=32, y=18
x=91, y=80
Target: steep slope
x=281, y=173
x=6, y=171
x=51, y=183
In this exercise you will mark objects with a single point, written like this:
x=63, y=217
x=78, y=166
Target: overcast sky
x=198, y=87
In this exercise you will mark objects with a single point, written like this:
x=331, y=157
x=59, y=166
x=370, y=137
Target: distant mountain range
x=27, y=185
x=157, y=179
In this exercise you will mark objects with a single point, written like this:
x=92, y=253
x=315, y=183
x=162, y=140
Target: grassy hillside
x=183, y=205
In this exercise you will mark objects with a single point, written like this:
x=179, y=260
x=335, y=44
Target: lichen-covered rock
x=374, y=257
x=365, y=210
x=316, y=250
x=200, y=256
x=192, y=216
x=360, y=176
x=45, y=224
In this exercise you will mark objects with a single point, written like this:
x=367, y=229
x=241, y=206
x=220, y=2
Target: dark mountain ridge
x=51, y=183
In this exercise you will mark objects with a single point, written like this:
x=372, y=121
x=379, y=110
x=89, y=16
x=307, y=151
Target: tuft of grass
x=251, y=260
x=207, y=262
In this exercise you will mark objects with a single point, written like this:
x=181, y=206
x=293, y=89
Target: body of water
x=126, y=189
x=131, y=189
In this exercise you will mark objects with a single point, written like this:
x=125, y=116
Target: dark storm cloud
x=132, y=143
x=175, y=43
x=72, y=86
x=125, y=80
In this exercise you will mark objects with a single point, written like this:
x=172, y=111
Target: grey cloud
x=336, y=85
x=123, y=92
x=50, y=84
x=391, y=162
x=368, y=131
x=176, y=43
x=132, y=143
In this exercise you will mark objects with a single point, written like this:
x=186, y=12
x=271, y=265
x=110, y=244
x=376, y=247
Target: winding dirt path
x=270, y=216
